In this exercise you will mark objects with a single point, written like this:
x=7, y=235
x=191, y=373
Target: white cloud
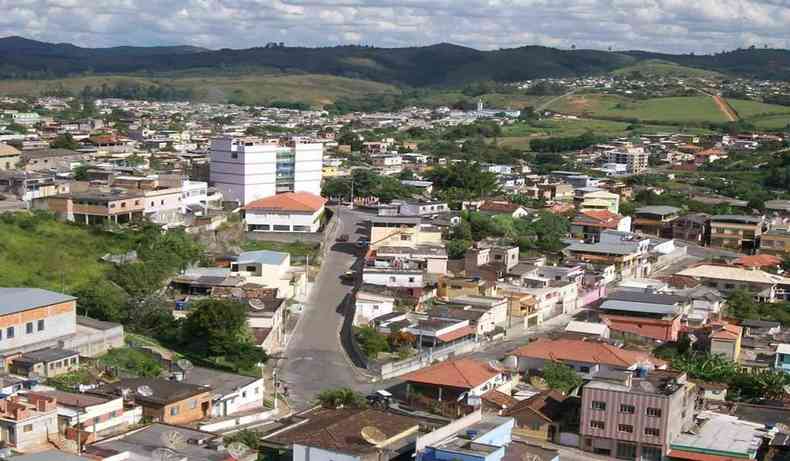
x=660, y=25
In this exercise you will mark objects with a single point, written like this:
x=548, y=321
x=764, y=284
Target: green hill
x=659, y=68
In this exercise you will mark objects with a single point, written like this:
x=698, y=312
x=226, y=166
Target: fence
x=392, y=369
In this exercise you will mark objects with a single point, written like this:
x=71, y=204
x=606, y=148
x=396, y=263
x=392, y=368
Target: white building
x=371, y=305
x=194, y=193
x=288, y=212
x=247, y=169
x=634, y=158
x=230, y=393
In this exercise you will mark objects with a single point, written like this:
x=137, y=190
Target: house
x=46, y=363
x=693, y=227
x=146, y=442
x=452, y=287
x=497, y=207
x=636, y=416
x=117, y=206
x=718, y=437
x=628, y=255
x=9, y=157
x=431, y=258
x=496, y=307
x=782, y=358
x=656, y=220
x=760, y=261
x=407, y=231
x=94, y=417
x=600, y=200
x=230, y=393
x=725, y=340
x=453, y=380
x=499, y=256
x=162, y=400
x=634, y=159
x=737, y=232
x=349, y=434
x=28, y=421
x=775, y=242
x=52, y=159
x=588, y=224
x=544, y=415
x=650, y=315
x=588, y=358
x=765, y=286
x=271, y=269
x=485, y=439
x=33, y=188
x=422, y=208
x=369, y=306
x=287, y=212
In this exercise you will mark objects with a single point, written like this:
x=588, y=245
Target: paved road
x=315, y=359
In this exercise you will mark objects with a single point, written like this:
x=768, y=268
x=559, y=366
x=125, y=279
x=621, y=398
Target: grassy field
x=37, y=252
x=747, y=109
x=316, y=90
x=772, y=122
x=677, y=109
x=659, y=68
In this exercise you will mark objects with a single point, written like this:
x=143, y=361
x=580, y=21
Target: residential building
x=93, y=417
x=765, y=286
x=589, y=358
x=9, y=157
x=271, y=269
x=45, y=363
x=725, y=340
x=369, y=306
x=494, y=256
x=737, y=232
x=113, y=207
x=145, y=443
x=627, y=253
x=590, y=330
x=247, y=169
x=422, y=208
x=28, y=421
x=600, y=200
x=544, y=415
x=33, y=188
x=323, y=434
x=399, y=231
x=286, y=212
x=636, y=415
x=718, y=437
x=693, y=228
x=431, y=258
x=487, y=439
x=501, y=207
x=775, y=242
x=162, y=400
x=451, y=287
x=454, y=379
x=650, y=315
x=588, y=224
x=782, y=358
x=634, y=159
x=497, y=307
x=50, y=159
x=230, y=393
x=656, y=220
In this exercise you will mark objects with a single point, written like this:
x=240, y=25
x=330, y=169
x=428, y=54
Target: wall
x=42, y=426
x=92, y=343
x=185, y=413
x=393, y=369
x=245, y=398
x=263, y=218
x=448, y=430
x=305, y=453
x=59, y=321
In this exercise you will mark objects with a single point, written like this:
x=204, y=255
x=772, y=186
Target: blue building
x=783, y=358
x=484, y=440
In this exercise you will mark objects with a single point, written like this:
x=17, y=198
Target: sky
x=675, y=26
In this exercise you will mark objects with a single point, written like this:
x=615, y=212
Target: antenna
x=174, y=440
x=184, y=364
x=237, y=450
x=145, y=391
x=373, y=435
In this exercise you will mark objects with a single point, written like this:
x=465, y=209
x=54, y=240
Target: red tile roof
x=457, y=334
x=291, y=201
x=649, y=328
x=577, y=350
x=498, y=206
x=602, y=218
x=726, y=331
x=758, y=261
x=548, y=405
x=499, y=399
x=460, y=373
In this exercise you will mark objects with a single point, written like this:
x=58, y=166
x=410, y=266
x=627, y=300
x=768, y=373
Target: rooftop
x=736, y=218
x=657, y=382
x=461, y=373
x=265, y=257
x=14, y=300
x=163, y=391
x=660, y=210
x=712, y=271
x=291, y=201
x=142, y=442
x=45, y=355
x=577, y=350
x=721, y=435
x=220, y=382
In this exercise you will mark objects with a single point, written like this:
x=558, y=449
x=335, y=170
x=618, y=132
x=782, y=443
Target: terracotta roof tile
x=457, y=334
x=461, y=374
x=758, y=261
x=291, y=201
x=547, y=404
x=578, y=350
x=499, y=398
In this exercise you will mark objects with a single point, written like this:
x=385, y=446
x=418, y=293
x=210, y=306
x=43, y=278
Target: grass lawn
x=131, y=361
x=252, y=88
x=298, y=250
x=36, y=252
x=676, y=109
x=747, y=108
x=772, y=122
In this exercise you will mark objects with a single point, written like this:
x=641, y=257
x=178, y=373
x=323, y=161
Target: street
x=315, y=359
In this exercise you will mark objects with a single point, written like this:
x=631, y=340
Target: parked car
x=347, y=275
x=362, y=243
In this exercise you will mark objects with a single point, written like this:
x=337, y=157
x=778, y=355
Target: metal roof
x=643, y=308
x=13, y=300
x=266, y=257
x=647, y=297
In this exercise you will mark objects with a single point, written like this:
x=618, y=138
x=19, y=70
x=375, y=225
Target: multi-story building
x=28, y=422
x=247, y=169
x=165, y=401
x=766, y=287
x=116, y=206
x=93, y=416
x=656, y=220
x=775, y=242
x=635, y=416
x=737, y=232
x=693, y=228
x=634, y=158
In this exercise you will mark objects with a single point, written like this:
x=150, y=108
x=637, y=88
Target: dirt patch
x=578, y=103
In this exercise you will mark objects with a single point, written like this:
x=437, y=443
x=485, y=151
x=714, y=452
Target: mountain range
x=436, y=65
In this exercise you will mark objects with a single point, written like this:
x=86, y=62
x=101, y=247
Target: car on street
x=362, y=243
x=347, y=276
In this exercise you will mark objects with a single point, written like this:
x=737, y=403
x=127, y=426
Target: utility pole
x=351, y=206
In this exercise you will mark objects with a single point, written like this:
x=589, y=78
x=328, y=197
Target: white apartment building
x=634, y=158
x=245, y=169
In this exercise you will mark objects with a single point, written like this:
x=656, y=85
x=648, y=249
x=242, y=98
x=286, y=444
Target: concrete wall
x=448, y=430
x=310, y=221
x=394, y=369
x=59, y=321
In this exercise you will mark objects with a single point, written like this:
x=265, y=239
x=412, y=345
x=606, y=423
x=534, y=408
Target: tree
x=561, y=377
x=216, y=327
x=371, y=341
x=340, y=398
x=102, y=300
x=456, y=249
x=81, y=173
x=64, y=141
x=741, y=305
x=464, y=180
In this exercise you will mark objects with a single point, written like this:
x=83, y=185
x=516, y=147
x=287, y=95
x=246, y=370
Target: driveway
x=315, y=359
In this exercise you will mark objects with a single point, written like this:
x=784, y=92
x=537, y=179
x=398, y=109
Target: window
x=654, y=412
x=405, y=237
x=651, y=453
x=192, y=404
x=244, y=394
x=174, y=410
x=96, y=420
x=73, y=361
x=597, y=424
x=652, y=431
x=9, y=332
x=584, y=369
x=628, y=409
x=250, y=268
x=596, y=405
x=152, y=203
x=41, y=325
x=123, y=204
x=626, y=451
x=534, y=426
x=27, y=428
x=234, y=154
x=113, y=414
x=411, y=279
x=29, y=327
x=625, y=428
